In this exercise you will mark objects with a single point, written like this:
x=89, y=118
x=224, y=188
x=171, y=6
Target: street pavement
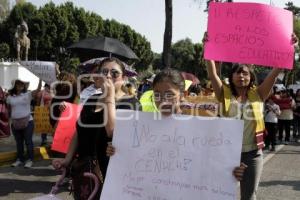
x=281, y=175
x=20, y=184
x=280, y=179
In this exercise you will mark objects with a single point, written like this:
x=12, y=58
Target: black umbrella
x=102, y=46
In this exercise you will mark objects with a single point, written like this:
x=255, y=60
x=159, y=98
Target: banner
x=250, y=33
x=41, y=120
x=66, y=128
x=207, y=106
x=176, y=157
x=42, y=69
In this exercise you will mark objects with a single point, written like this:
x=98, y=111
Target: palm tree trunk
x=168, y=34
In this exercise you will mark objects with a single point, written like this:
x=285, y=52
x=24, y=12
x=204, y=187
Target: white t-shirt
x=87, y=92
x=20, y=105
x=270, y=113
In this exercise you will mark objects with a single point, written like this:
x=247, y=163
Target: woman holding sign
x=241, y=99
x=95, y=127
x=168, y=89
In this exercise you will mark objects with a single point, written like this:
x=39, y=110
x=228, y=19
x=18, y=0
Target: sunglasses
x=113, y=72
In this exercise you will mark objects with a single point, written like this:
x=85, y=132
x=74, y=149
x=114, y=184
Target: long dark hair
x=112, y=59
x=172, y=76
x=13, y=91
x=237, y=68
x=63, y=89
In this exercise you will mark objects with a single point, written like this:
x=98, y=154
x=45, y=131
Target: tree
x=293, y=75
x=294, y=9
x=4, y=9
x=186, y=56
x=53, y=28
x=168, y=34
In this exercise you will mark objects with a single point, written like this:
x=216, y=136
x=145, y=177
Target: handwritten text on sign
x=173, y=159
x=42, y=69
x=250, y=33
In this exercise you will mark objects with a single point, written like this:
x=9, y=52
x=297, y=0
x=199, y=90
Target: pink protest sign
x=250, y=33
x=66, y=128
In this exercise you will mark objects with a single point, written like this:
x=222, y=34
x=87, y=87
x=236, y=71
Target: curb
x=7, y=158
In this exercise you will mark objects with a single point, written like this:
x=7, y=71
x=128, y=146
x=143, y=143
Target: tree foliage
x=4, y=9
x=53, y=28
x=293, y=75
x=186, y=56
x=291, y=7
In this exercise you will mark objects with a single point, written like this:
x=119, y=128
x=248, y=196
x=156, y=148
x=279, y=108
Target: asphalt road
x=280, y=179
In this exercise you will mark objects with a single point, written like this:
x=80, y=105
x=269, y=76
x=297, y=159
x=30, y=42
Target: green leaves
x=52, y=28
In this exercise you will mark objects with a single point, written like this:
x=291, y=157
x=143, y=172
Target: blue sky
x=148, y=18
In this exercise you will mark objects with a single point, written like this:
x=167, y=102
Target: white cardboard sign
x=173, y=158
x=43, y=69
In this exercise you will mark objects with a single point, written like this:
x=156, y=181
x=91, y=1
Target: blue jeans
x=21, y=136
x=251, y=178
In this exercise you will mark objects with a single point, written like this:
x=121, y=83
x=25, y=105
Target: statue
x=21, y=41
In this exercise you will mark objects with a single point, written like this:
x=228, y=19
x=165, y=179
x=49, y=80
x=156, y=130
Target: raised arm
x=111, y=115
x=72, y=149
x=214, y=77
x=108, y=103
x=38, y=89
x=65, y=162
x=265, y=87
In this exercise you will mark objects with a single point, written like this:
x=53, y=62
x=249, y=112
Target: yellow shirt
x=244, y=111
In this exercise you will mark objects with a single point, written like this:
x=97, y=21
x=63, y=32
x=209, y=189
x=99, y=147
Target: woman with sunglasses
x=95, y=125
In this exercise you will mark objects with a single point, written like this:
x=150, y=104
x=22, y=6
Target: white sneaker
x=28, y=164
x=17, y=163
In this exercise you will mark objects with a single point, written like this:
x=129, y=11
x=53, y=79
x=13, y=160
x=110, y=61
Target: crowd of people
x=263, y=108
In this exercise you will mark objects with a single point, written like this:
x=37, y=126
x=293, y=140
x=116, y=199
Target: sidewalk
x=8, y=149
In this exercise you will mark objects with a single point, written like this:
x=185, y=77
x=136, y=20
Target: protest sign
x=250, y=33
x=176, y=157
x=42, y=69
x=42, y=120
x=66, y=128
x=207, y=106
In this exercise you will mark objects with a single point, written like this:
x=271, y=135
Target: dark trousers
x=296, y=130
x=271, y=137
x=286, y=125
x=44, y=137
x=21, y=136
x=252, y=174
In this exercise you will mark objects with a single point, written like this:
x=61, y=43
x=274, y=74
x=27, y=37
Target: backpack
x=4, y=117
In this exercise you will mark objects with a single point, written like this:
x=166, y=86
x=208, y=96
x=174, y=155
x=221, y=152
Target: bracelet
x=110, y=102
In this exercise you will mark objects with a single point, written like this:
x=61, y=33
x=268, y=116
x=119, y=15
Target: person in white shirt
x=18, y=101
x=272, y=111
